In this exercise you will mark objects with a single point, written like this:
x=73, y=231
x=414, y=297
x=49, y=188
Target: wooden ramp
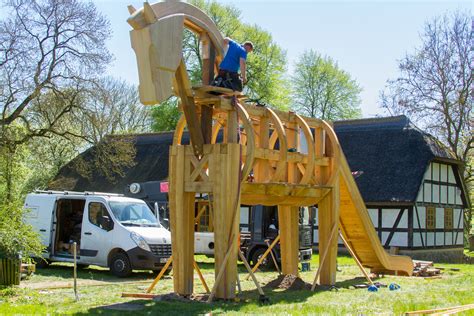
x=357, y=228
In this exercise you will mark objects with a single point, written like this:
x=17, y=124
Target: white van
x=110, y=230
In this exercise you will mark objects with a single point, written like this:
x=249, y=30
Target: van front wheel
x=120, y=265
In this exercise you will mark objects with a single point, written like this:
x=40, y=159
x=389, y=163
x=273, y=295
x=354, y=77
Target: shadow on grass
x=188, y=307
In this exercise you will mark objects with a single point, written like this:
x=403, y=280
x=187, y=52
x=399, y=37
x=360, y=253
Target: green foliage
x=434, y=88
x=266, y=65
x=321, y=89
x=17, y=237
x=165, y=116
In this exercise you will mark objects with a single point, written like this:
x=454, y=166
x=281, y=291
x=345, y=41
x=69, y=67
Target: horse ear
x=148, y=13
x=131, y=9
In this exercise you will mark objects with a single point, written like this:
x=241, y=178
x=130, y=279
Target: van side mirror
x=107, y=223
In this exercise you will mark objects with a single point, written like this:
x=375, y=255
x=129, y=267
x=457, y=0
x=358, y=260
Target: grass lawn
x=46, y=292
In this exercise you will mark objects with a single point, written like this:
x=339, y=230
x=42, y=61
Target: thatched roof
x=151, y=164
x=392, y=155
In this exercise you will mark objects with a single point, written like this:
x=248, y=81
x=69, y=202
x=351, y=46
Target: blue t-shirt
x=231, y=60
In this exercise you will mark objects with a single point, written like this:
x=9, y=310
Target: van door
x=39, y=214
x=97, y=233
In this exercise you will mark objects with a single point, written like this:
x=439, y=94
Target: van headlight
x=140, y=241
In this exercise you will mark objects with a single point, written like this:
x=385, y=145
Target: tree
x=48, y=50
x=434, y=87
x=266, y=65
x=320, y=89
x=109, y=107
x=165, y=116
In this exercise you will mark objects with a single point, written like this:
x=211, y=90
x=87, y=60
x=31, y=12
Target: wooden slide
x=358, y=230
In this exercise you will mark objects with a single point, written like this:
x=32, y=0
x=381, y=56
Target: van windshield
x=133, y=214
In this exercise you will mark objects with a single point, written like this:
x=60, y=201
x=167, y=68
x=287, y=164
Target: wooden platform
x=208, y=91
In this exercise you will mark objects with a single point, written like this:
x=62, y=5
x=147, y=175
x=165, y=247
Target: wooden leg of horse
x=328, y=217
x=289, y=241
x=182, y=223
x=224, y=171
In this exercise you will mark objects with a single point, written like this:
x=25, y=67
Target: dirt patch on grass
x=289, y=282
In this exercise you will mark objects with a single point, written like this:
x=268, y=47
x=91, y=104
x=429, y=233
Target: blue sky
x=366, y=38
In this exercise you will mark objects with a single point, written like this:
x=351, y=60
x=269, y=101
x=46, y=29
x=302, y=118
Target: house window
x=448, y=218
x=430, y=217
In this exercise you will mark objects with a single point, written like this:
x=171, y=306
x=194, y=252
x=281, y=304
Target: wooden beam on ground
x=140, y=295
x=443, y=310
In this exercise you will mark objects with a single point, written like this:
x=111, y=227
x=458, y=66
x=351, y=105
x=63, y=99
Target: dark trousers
x=228, y=79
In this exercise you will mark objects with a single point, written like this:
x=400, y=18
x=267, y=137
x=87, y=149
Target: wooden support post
x=323, y=257
x=254, y=278
x=201, y=277
x=208, y=60
x=232, y=127
x=349, y=248
x=289, y=241
x=328, y=216
x=182, y=223
x=224, y=170
x=262, y=167
x=160, y=275
x=265, y=254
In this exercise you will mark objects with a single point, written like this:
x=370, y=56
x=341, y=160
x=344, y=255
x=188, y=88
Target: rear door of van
x=39, y=214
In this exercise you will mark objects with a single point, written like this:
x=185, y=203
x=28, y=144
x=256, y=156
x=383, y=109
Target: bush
x=17, y=237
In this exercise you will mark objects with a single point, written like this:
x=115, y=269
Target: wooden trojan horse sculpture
x=266, y=156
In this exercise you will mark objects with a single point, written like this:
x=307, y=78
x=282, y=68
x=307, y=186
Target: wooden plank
x=323, y=256
x=265, y=254
x=225, y=167
x=289, y=241
x=208, y=61
x=182, y=223
x=160, y=275
x=328, y=216
x=356, y=259
x=189, y=108
x=262, y=166
x=198, y=187
x=203, y=281
x=232, y=127
x=140, y=295
x=442, y=310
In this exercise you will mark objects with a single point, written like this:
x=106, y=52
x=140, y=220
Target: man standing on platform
x=235, y=58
